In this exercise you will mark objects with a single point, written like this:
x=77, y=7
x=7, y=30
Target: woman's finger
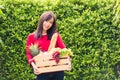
x=36, y=71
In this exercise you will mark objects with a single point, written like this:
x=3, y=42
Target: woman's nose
x=47, y=24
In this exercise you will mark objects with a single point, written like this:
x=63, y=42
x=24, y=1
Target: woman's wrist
x=33, y=64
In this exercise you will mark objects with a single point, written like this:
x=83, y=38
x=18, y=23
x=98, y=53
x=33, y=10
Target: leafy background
x=91, y=28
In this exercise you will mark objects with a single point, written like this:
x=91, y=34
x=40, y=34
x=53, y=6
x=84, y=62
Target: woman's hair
x=46, y=16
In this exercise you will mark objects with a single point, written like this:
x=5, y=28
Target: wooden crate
x=46, y=64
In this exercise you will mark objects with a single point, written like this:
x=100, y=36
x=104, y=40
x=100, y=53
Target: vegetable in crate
x=65, y=52
x=34, y=49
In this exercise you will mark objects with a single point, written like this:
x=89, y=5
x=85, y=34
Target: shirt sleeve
x=28, y=43
x=60, y=42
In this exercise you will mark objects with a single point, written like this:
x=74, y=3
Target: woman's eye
x=45, y=21
x=51, y=22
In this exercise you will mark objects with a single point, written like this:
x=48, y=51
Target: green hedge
x=90, y=28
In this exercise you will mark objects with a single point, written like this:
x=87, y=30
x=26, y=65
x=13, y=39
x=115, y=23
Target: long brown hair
x=45, y=17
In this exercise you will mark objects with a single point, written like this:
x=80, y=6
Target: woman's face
x=47, y=24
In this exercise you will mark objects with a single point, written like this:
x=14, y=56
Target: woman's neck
x=44, y=33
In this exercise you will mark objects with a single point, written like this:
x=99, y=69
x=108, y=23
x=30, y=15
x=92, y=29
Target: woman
x=43, y=34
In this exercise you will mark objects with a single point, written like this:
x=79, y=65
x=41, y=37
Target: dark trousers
x=51, y=76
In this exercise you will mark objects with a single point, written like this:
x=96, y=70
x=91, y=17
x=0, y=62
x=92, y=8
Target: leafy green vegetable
x=65, y=52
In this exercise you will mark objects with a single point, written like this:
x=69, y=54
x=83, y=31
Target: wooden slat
x=54, y=68
x=52, y=62
x=41, y=57
x=44, y=57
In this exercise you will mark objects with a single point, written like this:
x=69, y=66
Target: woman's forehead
x=52, y=19
x=49, y=17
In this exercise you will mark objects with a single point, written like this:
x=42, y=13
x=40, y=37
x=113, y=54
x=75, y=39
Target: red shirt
x=43, y=43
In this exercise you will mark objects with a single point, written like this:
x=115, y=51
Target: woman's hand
x=36, y=70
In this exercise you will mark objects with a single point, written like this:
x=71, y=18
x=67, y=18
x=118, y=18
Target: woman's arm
x=28, y=43
x=60, y=42
x=30, y=40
